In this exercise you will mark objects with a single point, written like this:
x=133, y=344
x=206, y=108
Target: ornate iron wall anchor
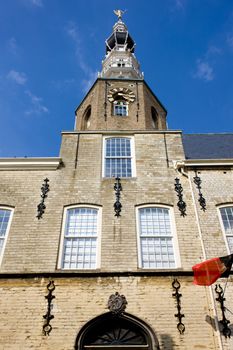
x=44, y=190
x=180, y=204
x=179, y=315
x=201, y=199
x=48, y=317
x=117, y=303
x=224, y=322
x=117, y=204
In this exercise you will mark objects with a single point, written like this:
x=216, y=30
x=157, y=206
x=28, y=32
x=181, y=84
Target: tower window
x=80, y=238
x=86, y=122
x=120, y=108
x=227, y=224
x=156, y=238
x=118, y=156
x=154, y=118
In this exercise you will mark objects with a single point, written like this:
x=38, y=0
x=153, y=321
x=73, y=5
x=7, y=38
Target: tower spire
x=120, y=61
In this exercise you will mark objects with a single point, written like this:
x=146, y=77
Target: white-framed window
x=80, y=238
x=119, y=157
x=120, y=108
x=157, y=244
x=226, y=218
x=5, y=222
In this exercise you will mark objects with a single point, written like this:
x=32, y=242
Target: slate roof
x=208, y=146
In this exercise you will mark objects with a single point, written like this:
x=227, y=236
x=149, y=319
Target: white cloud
x=37, y=3
x=12, y=46
x=179, y=4
x=87, y=83
x=72, y=31
x=204, y=71
x=37, y=106
x=90, y=75
x=230, y=41
x=205, y=64
x=213, y=50
x=63, y=84
x=18, y=77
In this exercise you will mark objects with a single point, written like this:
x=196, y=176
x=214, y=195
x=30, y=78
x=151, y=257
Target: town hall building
x=97, y=245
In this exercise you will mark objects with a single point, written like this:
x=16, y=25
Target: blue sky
x=51, y=51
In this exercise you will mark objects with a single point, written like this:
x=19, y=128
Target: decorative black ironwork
x=117, y=303
x=44, y=190
x=48, y=317
x=201, y=199
x=138, y=104
x=181, y=204
x=105, y=101
x=179, y=315
x=224, y=322
x=117, y=204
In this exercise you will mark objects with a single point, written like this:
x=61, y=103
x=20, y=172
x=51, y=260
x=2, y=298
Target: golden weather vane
x=119, y=13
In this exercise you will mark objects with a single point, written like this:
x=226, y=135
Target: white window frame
x=98, y=236
x=123, y=105
x=2, y=207
x=132, y=147
x=174, y=237
x=222, y=225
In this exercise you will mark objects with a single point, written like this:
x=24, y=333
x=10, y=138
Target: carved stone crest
x=117, y=303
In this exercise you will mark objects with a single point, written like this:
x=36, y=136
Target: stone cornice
x=123, y=132
x=50, y=163
x=192, y=163
x=98, y=273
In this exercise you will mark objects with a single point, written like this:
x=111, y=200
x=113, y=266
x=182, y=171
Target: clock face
x=125, y=93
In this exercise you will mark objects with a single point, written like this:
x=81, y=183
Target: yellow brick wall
x=80, y=181
x=78, y=300
x=33, y=245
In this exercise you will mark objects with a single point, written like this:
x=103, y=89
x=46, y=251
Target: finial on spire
x=119, y=13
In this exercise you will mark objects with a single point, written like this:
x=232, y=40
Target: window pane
x=230, y=243
x=4, y=221
x=80, y=239
x=81, y=222
x=118, y=160
x=120, y=108
x=156, y=238
x=227, y=219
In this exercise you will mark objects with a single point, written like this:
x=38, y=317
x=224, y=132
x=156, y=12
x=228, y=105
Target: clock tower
x=120, y=99
x=97, y=245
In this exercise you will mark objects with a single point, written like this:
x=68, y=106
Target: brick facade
x=32, y=251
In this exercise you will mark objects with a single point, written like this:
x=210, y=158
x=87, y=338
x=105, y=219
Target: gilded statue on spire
x=119, y=13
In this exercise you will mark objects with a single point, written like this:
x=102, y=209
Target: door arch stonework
x=116, y=332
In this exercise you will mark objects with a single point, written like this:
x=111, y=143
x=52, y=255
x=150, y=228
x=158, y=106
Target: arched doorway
x=115, y=332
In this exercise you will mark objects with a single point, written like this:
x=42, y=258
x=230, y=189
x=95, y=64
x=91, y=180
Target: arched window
x=156, y=238
x=86, y=119
x=154, y=118
x=5, y=221
x=81, y=235
x=226, y=214
x=116, y=332
x=118, y=157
